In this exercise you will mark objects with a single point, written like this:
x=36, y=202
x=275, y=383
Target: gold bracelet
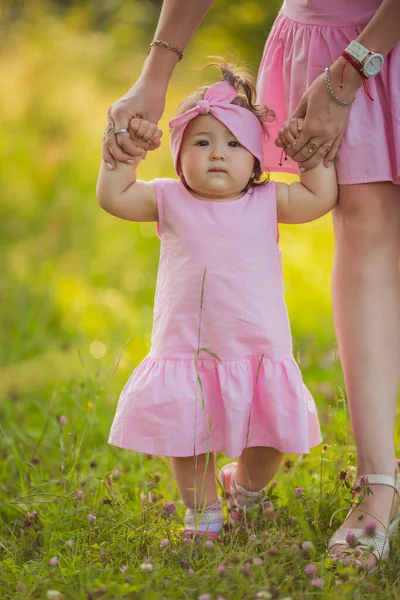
x=167, y=46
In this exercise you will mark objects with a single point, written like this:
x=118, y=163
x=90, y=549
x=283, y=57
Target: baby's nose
x=217, y=153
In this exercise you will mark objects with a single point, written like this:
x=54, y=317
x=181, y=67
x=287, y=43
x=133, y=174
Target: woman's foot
x=379, y=510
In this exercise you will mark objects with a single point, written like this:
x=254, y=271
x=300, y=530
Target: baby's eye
x=234, y=144
x=202, y=143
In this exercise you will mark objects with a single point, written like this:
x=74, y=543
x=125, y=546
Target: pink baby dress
x=220, y=375
x=308, y=36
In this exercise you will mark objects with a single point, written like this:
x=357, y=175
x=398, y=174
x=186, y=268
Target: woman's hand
x=324, y=119
x=145, y=99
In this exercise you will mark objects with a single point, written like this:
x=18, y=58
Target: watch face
x=373, y=65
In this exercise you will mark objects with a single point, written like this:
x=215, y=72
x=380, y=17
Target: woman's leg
x=195, y=478
x=366, y=315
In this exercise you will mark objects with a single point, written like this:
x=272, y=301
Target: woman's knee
x=368, y=217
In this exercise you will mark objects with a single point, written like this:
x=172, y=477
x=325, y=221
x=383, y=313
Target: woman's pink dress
x=308, y=36
x=220, y=375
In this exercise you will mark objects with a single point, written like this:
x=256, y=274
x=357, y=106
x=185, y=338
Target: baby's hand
x=290, y=132
x=145, y=134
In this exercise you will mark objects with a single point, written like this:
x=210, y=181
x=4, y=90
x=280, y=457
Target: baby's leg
x=257, y=467
x=195, y=478
x=246, y=480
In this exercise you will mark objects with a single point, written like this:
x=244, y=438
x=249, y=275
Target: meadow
x=80, y=519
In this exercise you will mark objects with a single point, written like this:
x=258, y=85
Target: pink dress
x=220, y=375
x=308, y=36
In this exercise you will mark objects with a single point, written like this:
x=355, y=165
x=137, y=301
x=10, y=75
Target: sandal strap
x=194, y=517
x=208, y=515
x=388, y=480
x=377, y=543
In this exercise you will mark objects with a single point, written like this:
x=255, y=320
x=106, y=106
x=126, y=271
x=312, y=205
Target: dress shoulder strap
x=265, y=195
x=167, y=190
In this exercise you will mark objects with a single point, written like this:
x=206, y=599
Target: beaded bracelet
x=332, y=93
x=167, y=46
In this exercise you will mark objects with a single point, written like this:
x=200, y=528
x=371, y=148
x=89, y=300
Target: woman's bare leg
x=366, y=314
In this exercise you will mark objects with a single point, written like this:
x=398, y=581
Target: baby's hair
x=238, y=77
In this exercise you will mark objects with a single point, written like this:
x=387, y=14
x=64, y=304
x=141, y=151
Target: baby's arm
x=314, y=196
x=122, y=195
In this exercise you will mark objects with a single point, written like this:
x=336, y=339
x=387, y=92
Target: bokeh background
x=77, y=285
x=76, y=296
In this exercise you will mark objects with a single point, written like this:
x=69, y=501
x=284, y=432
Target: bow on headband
x=244, y=125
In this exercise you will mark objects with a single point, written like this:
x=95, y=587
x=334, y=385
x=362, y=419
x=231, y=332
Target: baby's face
x=214, y=164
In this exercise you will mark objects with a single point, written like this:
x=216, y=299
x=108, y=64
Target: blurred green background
x=77, y=285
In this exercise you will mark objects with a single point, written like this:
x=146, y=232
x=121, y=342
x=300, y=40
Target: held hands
x=324, y=120
x=127, y=135
x=143, y=134
x=290, y=132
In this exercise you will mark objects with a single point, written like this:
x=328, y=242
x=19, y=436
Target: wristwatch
x=370, y=62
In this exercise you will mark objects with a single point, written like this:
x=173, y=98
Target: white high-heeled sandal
x=379, y=542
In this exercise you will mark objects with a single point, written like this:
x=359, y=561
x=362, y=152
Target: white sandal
x=379, y=542
x=206, y=522
x=238, y=500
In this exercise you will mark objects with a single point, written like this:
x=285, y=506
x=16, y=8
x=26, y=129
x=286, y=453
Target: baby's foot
x=238, y=500
x=204, y=521
x=226, y=476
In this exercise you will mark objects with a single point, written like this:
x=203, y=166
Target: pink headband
x=244, y=125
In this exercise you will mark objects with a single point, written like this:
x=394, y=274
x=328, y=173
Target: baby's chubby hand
x=145, y=134
x=290, y=132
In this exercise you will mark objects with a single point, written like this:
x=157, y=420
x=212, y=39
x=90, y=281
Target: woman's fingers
x=144, y=98
x=131, y=146
x=331, y=154
x=123, y=146
x=314, y=151
x=309, y=149
x=107, y=157
x=117, y=151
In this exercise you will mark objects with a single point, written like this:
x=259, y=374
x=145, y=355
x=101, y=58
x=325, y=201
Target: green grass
x=76, y=296
x=44, y=464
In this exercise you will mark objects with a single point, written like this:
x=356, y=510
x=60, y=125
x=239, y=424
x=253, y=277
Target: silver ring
x=123, y=130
